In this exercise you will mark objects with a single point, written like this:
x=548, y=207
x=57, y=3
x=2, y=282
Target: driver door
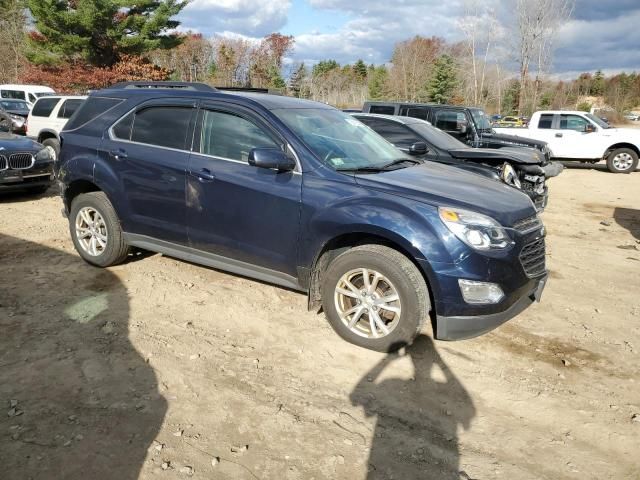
x=568, y=138
x=235, y=210
x=453, y=122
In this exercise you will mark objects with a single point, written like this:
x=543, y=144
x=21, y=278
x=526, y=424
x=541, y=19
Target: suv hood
x=528, y=156
x=12, y=143
x=442, y=185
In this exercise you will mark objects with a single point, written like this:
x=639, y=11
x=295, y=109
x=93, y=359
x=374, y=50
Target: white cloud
x=255, y=18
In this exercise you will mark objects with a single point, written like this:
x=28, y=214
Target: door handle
x=118, y=154
x=204, y=175
x=559, y=135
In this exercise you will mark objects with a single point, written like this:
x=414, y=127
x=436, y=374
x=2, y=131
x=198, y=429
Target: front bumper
x=39, y=175
x=462, y=327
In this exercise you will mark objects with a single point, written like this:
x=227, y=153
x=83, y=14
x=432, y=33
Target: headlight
x=44, y=155
x=16, y=117
x=510, y=176
x=476, y=230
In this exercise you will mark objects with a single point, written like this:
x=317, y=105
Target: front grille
x=21, y=161
x=527, y=224
x=3, y=163
x=532, y=258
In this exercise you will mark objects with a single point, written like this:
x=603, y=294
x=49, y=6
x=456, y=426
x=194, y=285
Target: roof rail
x=191, y=86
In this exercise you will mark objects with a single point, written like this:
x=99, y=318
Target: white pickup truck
x=583, y=136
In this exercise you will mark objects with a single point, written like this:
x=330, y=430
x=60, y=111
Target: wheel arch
x=78, y=187
x=342, y=242
x=45, y=134
x=616, y=146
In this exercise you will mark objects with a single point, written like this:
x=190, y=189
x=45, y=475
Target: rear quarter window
x=383, y=109
x=69, y=107
x=90, y=109
x=44, y=107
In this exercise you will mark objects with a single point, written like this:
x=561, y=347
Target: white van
x=29, y=93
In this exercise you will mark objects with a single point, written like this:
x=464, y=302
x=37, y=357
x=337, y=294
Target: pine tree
x=360, y=69
x=324, y=66
x=377, y=80
x=444, y=81
x=100, y=31
x=275, y=78
x=597, y=86
x=297, y=80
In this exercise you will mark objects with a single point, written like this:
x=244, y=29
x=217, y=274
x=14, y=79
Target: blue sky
x=602, y=34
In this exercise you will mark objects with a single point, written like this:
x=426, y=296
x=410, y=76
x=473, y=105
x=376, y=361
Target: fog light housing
x=483, y=293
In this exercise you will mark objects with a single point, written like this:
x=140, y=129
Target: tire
x=54, y=144
x=399, y=274
x=626, y=156
x=106, y=225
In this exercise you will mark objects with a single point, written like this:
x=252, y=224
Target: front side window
x=573, y=122
x=449, y=120
x=481, y=119
x=44, y=107
x=340, y=141
x=227, y=135
x=162, y=126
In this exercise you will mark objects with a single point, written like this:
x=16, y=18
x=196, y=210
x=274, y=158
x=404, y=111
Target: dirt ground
x=163, y=369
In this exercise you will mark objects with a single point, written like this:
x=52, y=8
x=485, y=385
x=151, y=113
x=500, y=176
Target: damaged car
x=525, y=169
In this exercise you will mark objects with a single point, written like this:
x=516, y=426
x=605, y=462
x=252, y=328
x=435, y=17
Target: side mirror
x=272, y=158
x=418, y=148
x=588, y=128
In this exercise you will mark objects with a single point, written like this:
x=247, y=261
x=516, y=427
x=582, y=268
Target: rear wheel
x=375, y=297
x=622, y=160
x=95, y=230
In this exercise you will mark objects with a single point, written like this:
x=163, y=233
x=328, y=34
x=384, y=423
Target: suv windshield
x=598, y=121
x=339, y=140
x=437, y=137
x=480, y=118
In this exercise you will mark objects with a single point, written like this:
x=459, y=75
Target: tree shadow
x=416, y=434
x=628, y=218
x=79, y=400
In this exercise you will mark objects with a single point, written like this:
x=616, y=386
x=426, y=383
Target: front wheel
x=95, y=230
x=375, y=297
x=53, y=145
x=622, y=160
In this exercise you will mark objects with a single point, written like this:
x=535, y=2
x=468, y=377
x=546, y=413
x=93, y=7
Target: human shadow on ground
x=416, y=434
x=628, y=218
x=79, y=402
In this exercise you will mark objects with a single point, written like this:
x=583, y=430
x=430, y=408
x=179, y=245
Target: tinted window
x=91, y=108
x=449, y=120
x=420, y=113
x=393, y=132
x=162, y=126
x=229, y=136
x=546, y=120
x=437, y=137
x=573, y=122
x=17, y=94
x=122, y=129
x=384, y=109
x=43, y=107
x=69, y=107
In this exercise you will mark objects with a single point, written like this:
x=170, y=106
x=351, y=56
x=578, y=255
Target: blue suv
x=302, y=195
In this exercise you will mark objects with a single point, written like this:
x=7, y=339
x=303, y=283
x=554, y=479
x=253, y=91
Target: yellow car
x=510, y=122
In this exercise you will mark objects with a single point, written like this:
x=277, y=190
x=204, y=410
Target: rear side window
x=546, y=121
x=162, y=126
x=383, y=109
x=17, y=94
x=393, y=132
x=90, y=109
x=420, y=113
x=69, y=107
x=44, y=107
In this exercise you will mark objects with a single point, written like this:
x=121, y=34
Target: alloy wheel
x=91, y=231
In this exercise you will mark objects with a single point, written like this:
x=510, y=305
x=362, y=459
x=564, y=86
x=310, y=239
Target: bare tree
x=12, y=39
x=537, y=23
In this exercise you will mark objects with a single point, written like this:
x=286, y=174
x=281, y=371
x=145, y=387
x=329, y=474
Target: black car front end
x=24, y=164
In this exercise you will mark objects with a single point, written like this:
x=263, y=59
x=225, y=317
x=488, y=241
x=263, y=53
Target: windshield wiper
x=361, y=169
x=400, y=161
x=382, y=168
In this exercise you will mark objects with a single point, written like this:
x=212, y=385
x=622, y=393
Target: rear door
x=148, y=150
x=235, y=210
